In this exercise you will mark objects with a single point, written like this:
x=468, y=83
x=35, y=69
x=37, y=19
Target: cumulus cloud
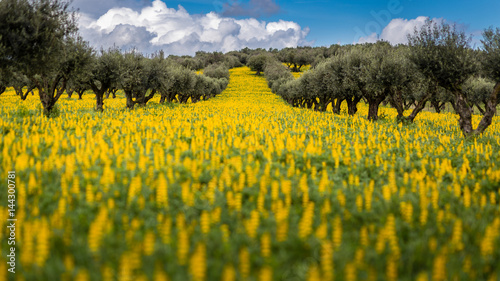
x=96, y=8
x=254, y=8
x=157, y=27
x=396, y=31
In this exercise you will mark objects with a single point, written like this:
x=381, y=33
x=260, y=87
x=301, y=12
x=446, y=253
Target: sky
x=184, y=27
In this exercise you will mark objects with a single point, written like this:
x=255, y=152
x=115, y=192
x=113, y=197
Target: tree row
x=438, y=66
x=41, y=49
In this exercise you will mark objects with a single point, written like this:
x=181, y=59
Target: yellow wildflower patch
x=245, y=186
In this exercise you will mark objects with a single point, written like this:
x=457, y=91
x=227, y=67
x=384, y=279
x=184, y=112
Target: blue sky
x=318, y=22
x=334, y=21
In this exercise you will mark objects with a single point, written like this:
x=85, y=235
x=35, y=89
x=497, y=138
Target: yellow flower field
x=245, y=187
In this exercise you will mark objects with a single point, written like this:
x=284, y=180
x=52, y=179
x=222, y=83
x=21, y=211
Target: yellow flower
x=42, y=242
x=337, y=232
x=97, y=229
x=265, y=245
x=456, y=239
x=134, y=189
x=313, y=274
x=149, y=243
x=197, y=263
x=266, y=274
x=305, y=224
x=228, y=274
x=439, y=268
x=205, y=222
x=182, y=246
x=244, y=258
x=252, y=224
x=327, y=260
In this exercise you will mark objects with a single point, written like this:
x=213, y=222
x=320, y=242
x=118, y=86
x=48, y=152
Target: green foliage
x=217, y=71
x=442, y=53
x=232, y=61
x=189, y=62
x=39, y=40
x=104, y=71
x=296, y=58
x=141, y=78
x=34, y=34
x=478, y=89
x=240, y=55
x=276, y=75
x=491, y=60
x=258, y=62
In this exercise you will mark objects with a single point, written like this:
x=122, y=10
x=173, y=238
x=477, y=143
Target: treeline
x=438, y=66
x=142, y=78
x=40, y=49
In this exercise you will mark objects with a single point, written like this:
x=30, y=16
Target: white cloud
x=372, y=38
x=176, y=31
x=396, y=31
x=95, y=8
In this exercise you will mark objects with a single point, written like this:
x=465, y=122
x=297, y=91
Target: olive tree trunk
x=397, y=102
x=99, y=95
x=49, y=91
x=418, y=108
x=143, y=98
x=490, y=110
x=80, y=93
x=373, y=105
x=352, y=105
x=21, y=93
x=336, y=105
x=464, y=111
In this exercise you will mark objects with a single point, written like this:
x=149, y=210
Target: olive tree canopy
x=443, y=54
x=39, y=39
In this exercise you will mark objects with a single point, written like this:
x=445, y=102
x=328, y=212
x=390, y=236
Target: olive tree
x=442, y=53
x=258, y=62
x=491, y=66
x=288, y=91
x=307, y=92
x=79, y=82
x=132, y=79
x=296, y=58
x=342, y=78
x=276, y=75
x=217, y=71
x=406, y=86
x=378, y=76
x=21, y=84
x=181, y=80
x=323, y=88
x=350, y=72
x=478, y=90
x=39, y=39
x=142, y=78
x=4, y=78
x=104, y=73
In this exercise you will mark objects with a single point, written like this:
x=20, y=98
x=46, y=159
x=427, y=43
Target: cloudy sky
x=183, y=27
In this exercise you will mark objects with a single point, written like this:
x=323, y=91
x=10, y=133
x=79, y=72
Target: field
x=245, y=187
